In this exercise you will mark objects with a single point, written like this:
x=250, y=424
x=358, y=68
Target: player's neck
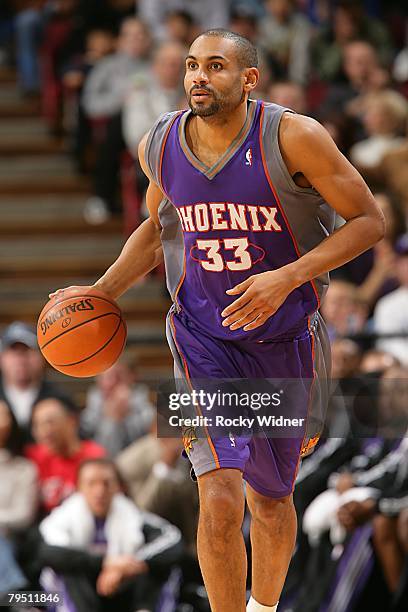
x=219, y=131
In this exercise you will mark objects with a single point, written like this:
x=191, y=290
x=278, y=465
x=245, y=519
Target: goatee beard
x=208, y=111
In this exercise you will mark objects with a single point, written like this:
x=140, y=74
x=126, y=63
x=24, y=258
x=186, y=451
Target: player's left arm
x=308, y=149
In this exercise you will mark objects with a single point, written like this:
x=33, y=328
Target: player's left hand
x=262, y=295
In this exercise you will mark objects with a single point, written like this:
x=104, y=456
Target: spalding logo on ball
x=81, y=332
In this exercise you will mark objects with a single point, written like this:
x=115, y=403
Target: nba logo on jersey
x=248, y=157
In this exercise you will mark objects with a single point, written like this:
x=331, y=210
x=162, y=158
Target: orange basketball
x=81, y=332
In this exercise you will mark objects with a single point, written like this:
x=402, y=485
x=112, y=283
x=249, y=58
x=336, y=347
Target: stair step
x=51, y=214
x=24, y=299
x=7, y=75
x=27, y=136
x=50, y=206
x=39, y=258
x=31, y=167
x=43, y=185
x=64, y=227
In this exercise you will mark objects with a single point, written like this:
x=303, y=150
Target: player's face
x=214, y=80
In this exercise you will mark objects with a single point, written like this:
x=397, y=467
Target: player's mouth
x=200, y=94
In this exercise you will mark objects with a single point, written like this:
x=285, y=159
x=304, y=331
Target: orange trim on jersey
x=271, y=185
x=187, y=374
x=313, y=441
x=183, y=275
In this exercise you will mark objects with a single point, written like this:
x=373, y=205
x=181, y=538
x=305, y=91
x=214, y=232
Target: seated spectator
x=390, y=541
x=375, y=362
x=108, y=554
x=208, y=14
x=384, y=117
x=342, y=309
x=157, y=93
x=158, y=479
x=288, y=94
x=29, y=23
x=22, y=371
x=364, y=75
x=98, y=44
x=394, y=175
x=180, y=27
x=285, y=34
x=349, y=23
x=374, y=271
x=244, y=21
x=105, y=91
x=391, y=312
x=18, y=499
x=337, y=522
x=118, y=410
x=58, y=450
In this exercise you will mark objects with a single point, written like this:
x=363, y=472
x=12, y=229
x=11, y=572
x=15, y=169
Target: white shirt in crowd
x=391, y=316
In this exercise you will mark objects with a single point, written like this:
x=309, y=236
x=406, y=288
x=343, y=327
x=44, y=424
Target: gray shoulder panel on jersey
x=173, y=245
x=171, y=232
x=155, y=142
x=310, y=217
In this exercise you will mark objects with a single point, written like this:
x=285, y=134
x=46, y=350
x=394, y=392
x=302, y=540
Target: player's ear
x=251, y=78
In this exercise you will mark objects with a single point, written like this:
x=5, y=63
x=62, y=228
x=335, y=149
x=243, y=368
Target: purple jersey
x=234, y=222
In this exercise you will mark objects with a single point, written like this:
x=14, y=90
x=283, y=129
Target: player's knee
x=383, y=530
x=402, y=527
x=221, y=506
x=266, y=509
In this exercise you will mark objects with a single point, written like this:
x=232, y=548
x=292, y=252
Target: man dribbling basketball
x=241, y=198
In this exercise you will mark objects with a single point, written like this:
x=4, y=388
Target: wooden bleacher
x=45, y=243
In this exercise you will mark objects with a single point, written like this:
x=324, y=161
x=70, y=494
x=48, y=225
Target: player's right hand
x=59, y=292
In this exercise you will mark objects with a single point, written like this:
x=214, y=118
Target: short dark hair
x=246, y=51
x=68, y=404
x=104, y=462
x=15, y=441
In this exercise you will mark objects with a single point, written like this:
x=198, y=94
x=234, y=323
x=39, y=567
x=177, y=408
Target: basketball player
x=241, y=198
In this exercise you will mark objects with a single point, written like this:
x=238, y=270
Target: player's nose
x=200, y=77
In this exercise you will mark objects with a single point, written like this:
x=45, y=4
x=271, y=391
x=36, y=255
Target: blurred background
x=81, y=81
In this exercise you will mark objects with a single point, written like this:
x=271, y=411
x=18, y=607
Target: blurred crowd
x=104, y=70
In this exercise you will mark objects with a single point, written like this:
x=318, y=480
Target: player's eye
x=216, y=66
x=191, y=65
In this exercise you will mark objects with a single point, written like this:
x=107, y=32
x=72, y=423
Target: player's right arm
x=142, y=251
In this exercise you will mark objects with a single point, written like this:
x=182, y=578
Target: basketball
x=81, y=332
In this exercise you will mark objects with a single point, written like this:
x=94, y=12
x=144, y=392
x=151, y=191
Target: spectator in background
x=375, y=362
x=122, y=554
x=22, y=371
x=394, y=174
x=208, y=14
x=342, y=310
x=180, y=27
x=18, y=498
x=374, y=271
x=158, y=480
x=289, y=94
x=384, y=118
x=29, y=23
x=108, y=84
x=58, y=450
x=391, y=312
x=118, y=411
x=244, y=21
x=98, y=44
x=285, y=34
x=349, y=23
x=157, y=93
x=104, y=94
x=364, y=75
